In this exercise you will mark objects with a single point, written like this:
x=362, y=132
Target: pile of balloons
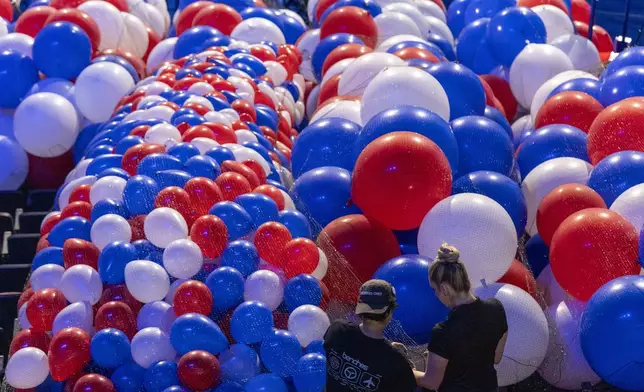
x=238, y=175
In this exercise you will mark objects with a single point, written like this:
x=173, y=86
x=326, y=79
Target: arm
x=434, y=373
x=500, y=347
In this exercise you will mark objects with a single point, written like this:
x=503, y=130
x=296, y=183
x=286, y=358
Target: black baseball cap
x=376, y=297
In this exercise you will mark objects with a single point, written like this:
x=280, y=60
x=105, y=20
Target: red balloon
x=77, y=251
x=94, y=383
x=399, y=177
x=274, y=193
x=222, y=133
x=116, y=314
x=136, y=153
x=355, y=247
x=322, y=6
x=592, y=247
x=519, y=275
x=68, y=353
x=80, y=193
x=417, y=53
x=121, y=5
x=581, y=11
x=77, y=208
x=245, y=171
x=153, y=40
x=440, y=4
x=199, y=370
x=24, y=297
x=329, y=89
x=232, y=185
x=257, y=169
x=140, y=131
x=211, y=234
x=263, y=53
x=42, y=243
x=177, y=199
x=49, y=173
x=187, y=16
x=602, y=40
x=503, y=93
x=192, y=296
x=617, y=128
x=562, y=202
x=49, y=223
x=533, y=3
x=243, y=107
x=43, y=307
x=6, y=10
x=30, y=338
x=120, y=292
x=270, y=240
x=80, y=19
x=60, y=4
x=238, y=124
x=570, y=107
x=300, y=256
x=203, y=193
x=136, y=61
x=263, y=99
x=351, y=20
x=197, y=131
x=33, y=19
x=137, y=225
x=220, y=16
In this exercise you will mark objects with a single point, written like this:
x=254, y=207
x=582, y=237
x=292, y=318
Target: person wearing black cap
x=359, y=359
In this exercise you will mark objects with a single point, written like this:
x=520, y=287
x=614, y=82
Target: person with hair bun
x=464, y=348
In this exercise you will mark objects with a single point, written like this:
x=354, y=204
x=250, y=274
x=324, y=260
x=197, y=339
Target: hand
x=401, y=348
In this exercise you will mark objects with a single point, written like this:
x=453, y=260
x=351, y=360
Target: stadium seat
x=9, y=201
x=22, y=249
x=8, y=313
x=13, y=277
x=29, y=222
x=41, y=200
x=6, y=222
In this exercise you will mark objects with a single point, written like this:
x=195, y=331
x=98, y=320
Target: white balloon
x=201, y=88
x=244, y=135
x=248, y=154
x=411, y=11
x=161, y=112
x=151, y=16
x=27, y=368
x=15, y=166
x=21, y=43
x=521, y=126
x=203, y=144
x=390, y=24
x=293, y=15
x=182, y=259
x=146, y=280
x=404, y=86
x=550, y=289
x=108, y=187
x=307, y=44
x=439, y=27
x=527, y=332
x=288, y=201
x=81, y=283
x=308, y=323
x=150, y=99
x=264, y=286
x=310, y=8
x=230, y=113
x=581, y=51
x=565, y=365
x=46, y=276
x=534, y=65
x=154, y=87
x=151, y=345
x=110, y=228
x=3, y=28
x=337, y=68
x=349, y=110
x=322, y=267
x=6, y=123
x=162, y=134
x=243, y=88
x=163, y=9
x=100, y=87
x=109, y=20
x=357, y=76
x=162, y=52
x=46, y=125
x=63, y=199
x=133, y=37
x=544, y=91
x=157, y=314
x=557, y=22
x=396, y=39
x=479, y=227
x=429, y=8
x=164, y=225
x=546, y=177
x=238, y=73
x=312, y=101
x=630, y=205
x=256, y=30
x=76, y=315
x=22, y=317
x=217, y=118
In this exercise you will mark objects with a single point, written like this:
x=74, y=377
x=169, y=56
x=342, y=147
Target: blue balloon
x=612, y=327
x=408, y=275
x=194, y=40
x=537, y=254
x=231, y=96
x=49, y=255
x=456, y=16
x=124, y=144
x=473, y=49
x=105, y=161
x=328, y=141
x=227, y=287
x=186, y=72
x=246, y=69
x=72, y=227
x=549, y=142
x=184, y=95
x=139, y=194
x=220, y=154
x=302, y=290
x=154, y=163
x=202, y=166
x=218, y=103
x=190, y=119
x=473, y=132
x=414, y=119
x=323, y=195
x=463, y=87
x=229, y=386
x=407, y=241
x=111, y=58
x=128, y=377
x=167, y=178
x=293, y=89
x=107, y=206
x=238, y=364
x=259, y=147
x=261, y=208
x=144, y=248
x=110, y=348
x=62, y=50
x=584, y=85
x=296, y=223
x=625, y=83
x=615, y=174
x=477, y=9
x=193, y=331
x=242, y=256
x=280, y=351
x=113, y=259
x=266, y=382
x=316, y=346
x=86, y=135
x=499, y=188
x=266, y=116
x=97, y=152
x=310, y=374
x=175, y=388
x=19, y=74
x=238, y=221
x=325, y=47
x=160, y=375
x=264, y=13
x=253, y=62
x=444, y=45
x=513, y=29
x=428, y=46
x=251, y=322
x=183, y=151
x=631, y=56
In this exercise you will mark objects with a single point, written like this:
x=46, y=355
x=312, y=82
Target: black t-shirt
x=358, y=363
x=468, y=340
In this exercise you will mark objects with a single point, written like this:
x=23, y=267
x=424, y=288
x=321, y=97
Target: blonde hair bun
x=448, y=254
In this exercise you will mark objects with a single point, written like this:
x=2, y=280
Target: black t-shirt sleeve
x=407, y=381
x=440, y=342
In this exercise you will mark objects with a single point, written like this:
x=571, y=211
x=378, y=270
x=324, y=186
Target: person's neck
x=463, y=299
x=372, y=331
